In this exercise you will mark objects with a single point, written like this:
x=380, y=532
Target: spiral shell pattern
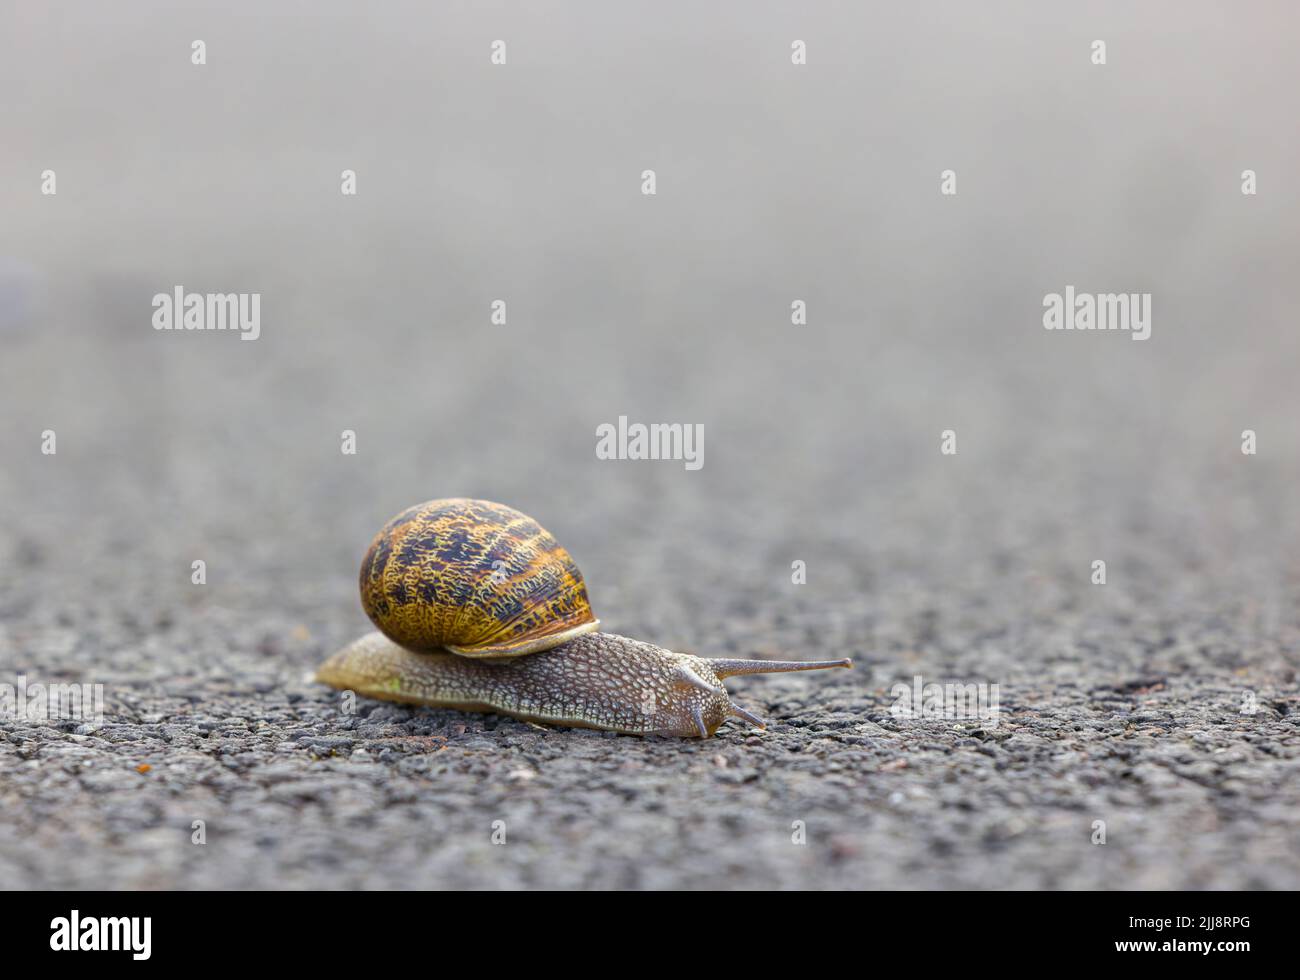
x=474, y=577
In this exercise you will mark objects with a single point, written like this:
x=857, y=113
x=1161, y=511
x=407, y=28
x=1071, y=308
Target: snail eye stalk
x=688, y=676
x=734, y=668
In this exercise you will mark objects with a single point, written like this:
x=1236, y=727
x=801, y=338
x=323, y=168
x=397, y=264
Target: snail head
x=698, y=704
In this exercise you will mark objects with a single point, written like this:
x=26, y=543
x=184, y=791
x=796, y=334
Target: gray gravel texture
x=1121, y=703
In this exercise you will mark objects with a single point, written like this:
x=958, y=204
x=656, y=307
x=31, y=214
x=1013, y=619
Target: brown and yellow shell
x=473, y=577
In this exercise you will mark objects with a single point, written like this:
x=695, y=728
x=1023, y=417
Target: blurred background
x=776, y=182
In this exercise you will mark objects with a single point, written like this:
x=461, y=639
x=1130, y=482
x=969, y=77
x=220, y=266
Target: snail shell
x=474, y=577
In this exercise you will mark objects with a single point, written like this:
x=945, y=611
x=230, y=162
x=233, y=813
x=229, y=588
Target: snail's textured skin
x=599, y=680
x=474, y=577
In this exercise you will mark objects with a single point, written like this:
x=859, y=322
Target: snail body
x=479, y=608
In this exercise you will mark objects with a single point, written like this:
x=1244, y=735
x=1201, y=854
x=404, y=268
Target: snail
x=479, y=608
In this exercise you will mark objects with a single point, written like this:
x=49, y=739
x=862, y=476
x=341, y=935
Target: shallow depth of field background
x=775, y=183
